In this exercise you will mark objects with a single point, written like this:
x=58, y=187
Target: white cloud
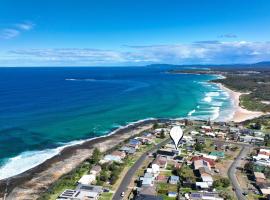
x=26, y=26
x=9, y=33
x=200, y=52
x=15, y=30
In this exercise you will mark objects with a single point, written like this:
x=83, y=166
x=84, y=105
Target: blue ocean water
x=43, y=109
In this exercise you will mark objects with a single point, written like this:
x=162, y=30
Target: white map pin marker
x=176, y=134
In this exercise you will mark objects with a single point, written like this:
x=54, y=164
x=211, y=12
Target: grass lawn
x=164, y=188
x=67, y=181
x=165, y=197
x=208, y=146
x=166, y=173
x=106, y=196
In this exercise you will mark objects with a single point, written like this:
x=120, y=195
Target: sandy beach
x=30, y=184
x=240, y=114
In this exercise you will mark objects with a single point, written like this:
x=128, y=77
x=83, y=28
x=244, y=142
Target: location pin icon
x=176, y=134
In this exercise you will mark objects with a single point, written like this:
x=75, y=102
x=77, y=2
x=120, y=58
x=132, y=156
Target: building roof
x=87, y=179
x=118, y=153
x=202, y=185
x=91, y=188
x=96, y=168
x=204, y=170
x=112, y=158
x=201, y=163
x=160, y=161
x=134, y=142
x=174, y=178
x=259, y=175
x=207, y=178
x=209, y=160
x=217, y=153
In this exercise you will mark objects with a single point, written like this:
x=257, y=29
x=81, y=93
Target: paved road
x=232, y=172
x=128, y=177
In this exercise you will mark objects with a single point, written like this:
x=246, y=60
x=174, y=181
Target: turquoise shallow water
x=42, y=109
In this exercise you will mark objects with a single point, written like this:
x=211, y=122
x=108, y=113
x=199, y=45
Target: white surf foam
x=191, y=112
x=29, y=159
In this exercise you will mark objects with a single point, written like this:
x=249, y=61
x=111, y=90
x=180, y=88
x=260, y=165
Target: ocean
x=44, y=109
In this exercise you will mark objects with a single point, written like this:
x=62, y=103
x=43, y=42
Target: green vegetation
x=186, y=173
x=106, y=196
x=95, y=158
x=260, y=123
x=221, y=183
x=199, y=146
x=67, y=181
x=255, y=84
x=164, y=188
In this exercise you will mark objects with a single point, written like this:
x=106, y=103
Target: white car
x=122, y=194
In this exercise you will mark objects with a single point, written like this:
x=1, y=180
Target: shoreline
x=29, y=184
x=240, y=114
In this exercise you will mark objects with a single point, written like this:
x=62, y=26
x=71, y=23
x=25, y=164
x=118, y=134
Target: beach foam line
x=30, y=159
x=191, y=112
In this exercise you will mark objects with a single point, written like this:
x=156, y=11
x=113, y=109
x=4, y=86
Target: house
x=263, y=154
x=147, y=193
x=87, y=179
x=167, y=153
x=160, y=161
x=128, y=150
x=205, y=196
x=96, y=170
x=259, y=177
x=83, y=192
x=121, y=154
x=134, y=143
x=172, y=194
x=202, y=185
x=147, y=179
x=200, y=140
x=162, y=178
x=233, y=130
x=210, y=134
x=206, y=128
x=209, y=160
x=219, y=146
x=174, y=180
x=158, y=131
x=201, y=163
x=204, y=171
x=220, y=135
x=264, y=188
x=219, y=154
x=67, y=194
x=206, y=178
x=112, y=158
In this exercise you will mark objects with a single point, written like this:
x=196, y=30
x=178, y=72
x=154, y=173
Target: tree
x=199, y=146
x=155, y=126
x=96, y=156
x=222, y=182
x=225, y=195
x=249, y=167
x=162, y=134
x=186, y=173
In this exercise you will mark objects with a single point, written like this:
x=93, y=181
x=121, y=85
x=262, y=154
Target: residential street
x=127, y=179
x=232, y=172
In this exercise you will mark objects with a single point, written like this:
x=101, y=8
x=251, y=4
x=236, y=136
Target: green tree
x=186, y=173
x=221, y=183
x=162, y=134
x=155, y=126
x=96, y=156
x=249, y=167
x=199, y=146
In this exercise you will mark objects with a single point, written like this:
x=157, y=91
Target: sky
x=133, y=32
